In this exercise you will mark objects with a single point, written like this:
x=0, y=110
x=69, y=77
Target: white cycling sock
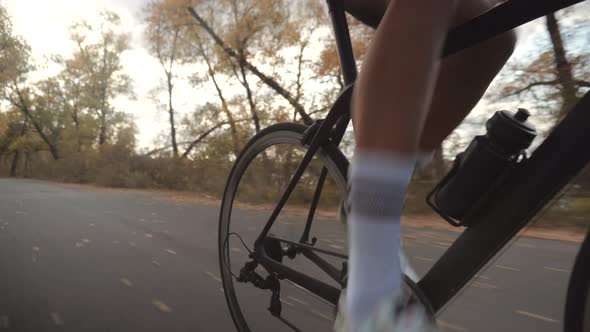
x=378, y=183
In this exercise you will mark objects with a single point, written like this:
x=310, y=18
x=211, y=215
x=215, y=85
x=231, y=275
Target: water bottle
x=485, y=162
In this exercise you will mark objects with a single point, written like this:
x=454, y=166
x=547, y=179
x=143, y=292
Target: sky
x=44, y=24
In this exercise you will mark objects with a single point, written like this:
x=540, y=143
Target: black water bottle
x=485, y=162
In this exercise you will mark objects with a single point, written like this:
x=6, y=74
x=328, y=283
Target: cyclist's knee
x=508, y=43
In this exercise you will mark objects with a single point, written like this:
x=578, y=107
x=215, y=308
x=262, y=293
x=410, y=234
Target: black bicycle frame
x=557, y=160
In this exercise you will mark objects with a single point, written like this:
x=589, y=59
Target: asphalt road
x=82, y=259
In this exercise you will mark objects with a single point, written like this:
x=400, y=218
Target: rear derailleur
x=271, y=282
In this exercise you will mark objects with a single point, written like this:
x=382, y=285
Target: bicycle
x=497, y=219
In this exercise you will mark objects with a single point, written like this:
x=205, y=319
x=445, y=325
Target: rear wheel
x=257, y=180
x=577, y=308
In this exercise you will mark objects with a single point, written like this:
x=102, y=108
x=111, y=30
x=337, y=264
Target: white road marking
x=85, y=240
x=34, y=259
x=142, y=220
x=213, y=276
x=35, y=248
x=163, y=307
x=504, y=267
x=56, y=318
x=556, y=269
x=126, y=282
x=424, y=258
x=294, y=299
x=4, y=322
x=287, y=302
x=148, y=235
x=320, y=315
x=79, y=245
x=156, y=263
x=530, y=314
x=484, y=285
x=91, y=225
x=22, y=212
x=337, y=247
x=525, y=245
x=450, y=326
x=481, y=276
x=170, y=251
x=442, y=244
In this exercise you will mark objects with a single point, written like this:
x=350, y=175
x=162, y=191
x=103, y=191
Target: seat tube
x=343, y=41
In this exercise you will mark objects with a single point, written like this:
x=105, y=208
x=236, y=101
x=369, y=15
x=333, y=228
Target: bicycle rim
x=287, y=134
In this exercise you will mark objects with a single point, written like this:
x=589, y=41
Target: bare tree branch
x=24, y=108
x=531, y=85
x=201, y=137
x=267, y=80
x=224, y=105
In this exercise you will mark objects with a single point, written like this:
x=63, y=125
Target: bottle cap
x=511, y=131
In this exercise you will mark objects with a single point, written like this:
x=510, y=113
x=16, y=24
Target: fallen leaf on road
x=163, y=307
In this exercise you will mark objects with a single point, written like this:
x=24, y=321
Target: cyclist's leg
x=391, y=100
x=464, y=77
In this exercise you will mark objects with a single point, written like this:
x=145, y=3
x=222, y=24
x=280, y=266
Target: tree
x=555, y=79
x=100, y=64
x=75, y=103
x=15, y=66
x=568, y=86
x=204, y=51
x=165, y=21
x=241, y=58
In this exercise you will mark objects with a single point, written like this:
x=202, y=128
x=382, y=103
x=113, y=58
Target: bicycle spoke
x=314, y=204
x=294, y=180
x=277, y=166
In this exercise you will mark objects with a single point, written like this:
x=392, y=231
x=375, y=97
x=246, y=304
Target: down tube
x=561, y=156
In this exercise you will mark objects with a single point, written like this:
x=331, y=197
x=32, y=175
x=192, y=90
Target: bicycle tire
x=577, y=308
x=283, y=133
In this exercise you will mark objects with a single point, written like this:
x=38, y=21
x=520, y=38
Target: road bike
x=497, y=218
